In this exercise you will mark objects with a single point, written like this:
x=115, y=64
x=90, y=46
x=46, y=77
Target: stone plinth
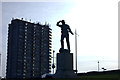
x=65, y=65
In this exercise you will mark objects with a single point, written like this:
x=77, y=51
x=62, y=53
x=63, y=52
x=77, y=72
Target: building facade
x=29, y=49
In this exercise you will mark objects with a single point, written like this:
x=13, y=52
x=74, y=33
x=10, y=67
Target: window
x=26, y=23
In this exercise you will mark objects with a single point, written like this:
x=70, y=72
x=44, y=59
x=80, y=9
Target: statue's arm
x=58, y=24
x=70, y=31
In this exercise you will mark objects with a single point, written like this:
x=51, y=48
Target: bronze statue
x=65, y=29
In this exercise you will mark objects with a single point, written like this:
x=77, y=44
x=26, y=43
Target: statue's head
x=63, y=21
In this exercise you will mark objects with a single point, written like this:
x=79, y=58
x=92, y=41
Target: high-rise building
x=29, y=49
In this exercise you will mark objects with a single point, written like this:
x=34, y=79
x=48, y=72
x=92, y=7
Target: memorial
x=64, y=57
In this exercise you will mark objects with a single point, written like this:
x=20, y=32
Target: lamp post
x=98, y=66
x=76, y=49
x=0, y=66
x=53, y=65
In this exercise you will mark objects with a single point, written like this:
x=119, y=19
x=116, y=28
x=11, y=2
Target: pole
x=76, y=48
x=53, y=66
x=98, y=66
x=0, y=66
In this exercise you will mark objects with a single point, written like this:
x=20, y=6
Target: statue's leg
x=62, y=41
x=68, y=43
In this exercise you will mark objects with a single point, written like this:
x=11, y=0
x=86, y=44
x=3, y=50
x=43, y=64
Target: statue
x=65, y=29
x=64, y=59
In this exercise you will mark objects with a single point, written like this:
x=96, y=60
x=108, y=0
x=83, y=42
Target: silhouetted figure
x=65, y=29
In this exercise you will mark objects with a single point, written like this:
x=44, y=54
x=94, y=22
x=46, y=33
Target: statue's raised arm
x=58, y=23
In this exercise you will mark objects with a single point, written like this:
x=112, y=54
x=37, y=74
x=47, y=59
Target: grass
x=113, y=76
x=94, y=77
x=100, y=77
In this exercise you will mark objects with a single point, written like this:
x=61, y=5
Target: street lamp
x=76, y=49
x=53, y=65
x=98, y=66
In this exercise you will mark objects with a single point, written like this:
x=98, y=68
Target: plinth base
x=65, y=65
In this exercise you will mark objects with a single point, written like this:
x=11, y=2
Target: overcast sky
x=96, y=22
